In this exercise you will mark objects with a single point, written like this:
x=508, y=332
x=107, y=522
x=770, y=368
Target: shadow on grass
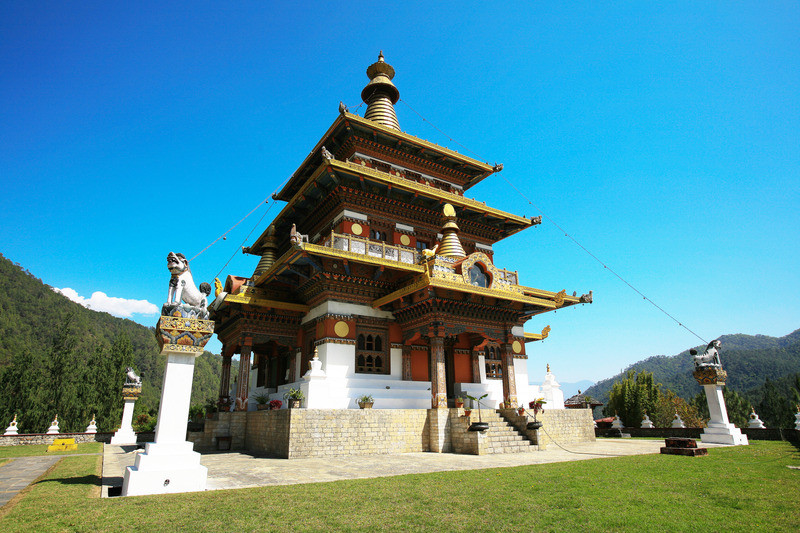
x=92, y=479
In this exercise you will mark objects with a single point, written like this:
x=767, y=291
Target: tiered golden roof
x=450, y=246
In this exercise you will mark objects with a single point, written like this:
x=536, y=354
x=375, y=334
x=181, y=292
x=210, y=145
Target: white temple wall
x=521, y=374
x=395, y=363
x=338, y=360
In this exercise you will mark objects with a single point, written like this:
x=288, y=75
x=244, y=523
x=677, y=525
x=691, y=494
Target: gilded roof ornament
x=450, y=245
x=380, y=94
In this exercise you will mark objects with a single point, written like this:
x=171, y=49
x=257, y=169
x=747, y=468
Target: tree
x=737, y=405
x=670, y=403
x=632, y=396
x=774, y=409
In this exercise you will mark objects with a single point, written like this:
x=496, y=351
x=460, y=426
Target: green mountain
x=57, y=357
x=749, y=360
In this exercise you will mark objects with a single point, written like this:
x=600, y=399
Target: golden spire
x=380, y=94
x=450, y=245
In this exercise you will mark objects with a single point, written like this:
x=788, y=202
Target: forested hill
x=58, y=356
x=749, y=361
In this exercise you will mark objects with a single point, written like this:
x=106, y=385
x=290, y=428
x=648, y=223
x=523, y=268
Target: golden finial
x=380, y=94
x=548, y=368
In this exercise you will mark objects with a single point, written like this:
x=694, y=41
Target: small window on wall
x=478, y=276
x=378, y=235
x=494, y=368
x=421, y=245
x=370, y=355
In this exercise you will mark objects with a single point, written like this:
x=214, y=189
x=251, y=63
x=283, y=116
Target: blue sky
x=665, y=138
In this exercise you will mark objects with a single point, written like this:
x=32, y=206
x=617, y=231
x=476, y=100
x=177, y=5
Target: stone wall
x=80, y=438
x=332, y=432
x=296, y=433
x=791, y=435
x=566, y=426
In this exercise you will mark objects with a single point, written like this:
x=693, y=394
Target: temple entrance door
x=449, y=372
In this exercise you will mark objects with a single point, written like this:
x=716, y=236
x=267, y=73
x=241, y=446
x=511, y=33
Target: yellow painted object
x=62, y=445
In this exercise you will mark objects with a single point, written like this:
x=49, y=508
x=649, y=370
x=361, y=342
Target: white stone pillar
x=169, y=464
x=125, y=434
x=314, y=385
x=719, y=429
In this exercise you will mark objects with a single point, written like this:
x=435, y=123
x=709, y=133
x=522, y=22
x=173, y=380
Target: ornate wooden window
x=494, y=367
x=478, y=276
x=371, y=356
x=378, y=235
x=421, y=245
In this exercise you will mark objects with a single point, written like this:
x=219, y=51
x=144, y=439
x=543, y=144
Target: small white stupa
x=677, y=422
x=53, y=429
x=12, y=427
x=617, y=423
x=551, y=391
x=92, y=427
x=646, y=422
x=797, y=419
x=755, y=422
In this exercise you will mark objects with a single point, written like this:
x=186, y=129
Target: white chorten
x=647, y=423
x=617, y=423
x=12, y=427
x=677, y=422
x=53, y=429
x=755, y=422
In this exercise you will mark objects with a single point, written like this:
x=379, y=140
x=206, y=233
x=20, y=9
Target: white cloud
x=120, y=307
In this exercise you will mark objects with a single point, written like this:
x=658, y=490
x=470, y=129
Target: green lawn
x=41, y=449
x=733, y=489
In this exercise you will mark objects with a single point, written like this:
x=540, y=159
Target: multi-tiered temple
x=382, y=267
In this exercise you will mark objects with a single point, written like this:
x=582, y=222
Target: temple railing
x=370, y=248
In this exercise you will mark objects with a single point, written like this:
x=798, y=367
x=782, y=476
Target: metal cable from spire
x=570, y=237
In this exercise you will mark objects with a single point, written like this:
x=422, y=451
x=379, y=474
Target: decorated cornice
x=335, y=340
x=252, y=296
x=427, y=190
x=530, y=337
x=361, y=258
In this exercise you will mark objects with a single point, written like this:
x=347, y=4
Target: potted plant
x=467, y=412
x=459, y=402
x=294, y=396
x=262, y=401
x=536, y=407
x=365, y=401
x=211, y=407
x=275, y=405
x=520, y=410
x=480, y=425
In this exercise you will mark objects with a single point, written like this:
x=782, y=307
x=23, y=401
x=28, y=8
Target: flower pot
x=534, y=425
x=274, y=408
x=521, y=411
x=262, y=406
x=365, y=405
x=294, y=404
x=467, y=412
x=459, y=404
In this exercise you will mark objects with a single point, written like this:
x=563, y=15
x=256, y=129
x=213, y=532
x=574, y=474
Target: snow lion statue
x=182, y=287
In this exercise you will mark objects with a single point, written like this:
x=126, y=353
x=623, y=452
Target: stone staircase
x=502, y=437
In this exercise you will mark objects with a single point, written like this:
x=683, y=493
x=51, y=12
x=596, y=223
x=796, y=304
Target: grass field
x=41, y=449
x=733, y=489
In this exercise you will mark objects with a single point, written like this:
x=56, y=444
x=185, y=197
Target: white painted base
x=165, y=469
x=724, y=435
x=125, y=433
x=124, y=436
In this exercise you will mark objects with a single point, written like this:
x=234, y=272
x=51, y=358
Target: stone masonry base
x=298, y=433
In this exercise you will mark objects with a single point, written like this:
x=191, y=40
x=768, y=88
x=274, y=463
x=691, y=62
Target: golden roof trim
x=414, y=186
x=251, y=297
x=361, y=258
x=486, y=167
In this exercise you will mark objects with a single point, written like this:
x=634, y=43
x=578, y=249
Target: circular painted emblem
x=405, y=240
x=341, y=329
x=516, y=346
x=357, y=229
x=449, y=210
